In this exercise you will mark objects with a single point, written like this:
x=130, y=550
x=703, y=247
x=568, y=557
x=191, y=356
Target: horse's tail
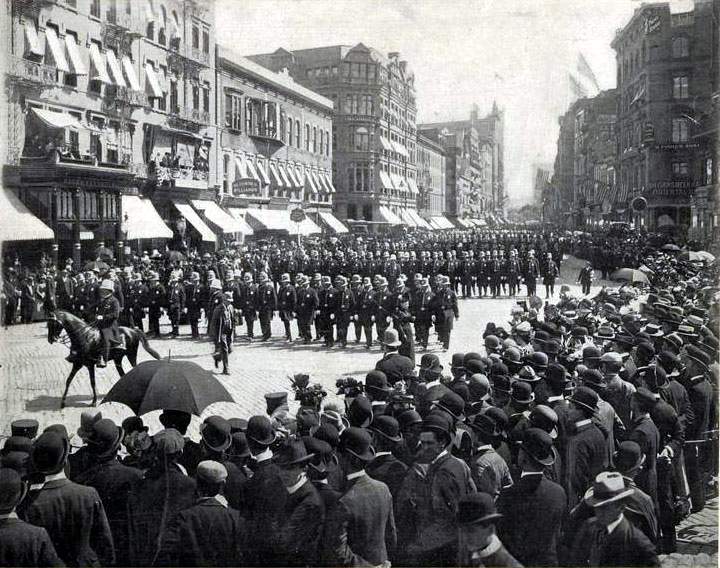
x=146, y=344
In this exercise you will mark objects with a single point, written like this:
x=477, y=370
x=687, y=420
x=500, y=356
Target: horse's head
x=55, y=327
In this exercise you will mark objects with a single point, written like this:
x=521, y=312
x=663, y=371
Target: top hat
x=390, y=338
x=585, y=397
x=50, y=452
x=522, y=392
x=27, y=427
x=105, y=438
x=260, y=430
x=609, y=486
x=537, y=444
x=216, y=433
x=476, y=509
x=357, y=442
x=292, y=453
x=387, y=427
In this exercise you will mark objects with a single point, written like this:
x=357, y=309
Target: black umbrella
x=168, y=385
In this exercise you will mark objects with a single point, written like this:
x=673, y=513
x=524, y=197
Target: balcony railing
x=684, y=19
x=131, y=97
x=182, y=176
x=32, y=71
x=191, y=114
x=198, y=55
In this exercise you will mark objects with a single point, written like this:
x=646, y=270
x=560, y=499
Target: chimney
x=474, y=113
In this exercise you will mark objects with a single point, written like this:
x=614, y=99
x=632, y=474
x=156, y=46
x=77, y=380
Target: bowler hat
x=527, y=374
x=357, y=442
x=260, y=430
x=537, y=360
x=239, y=447
x=474, y=366
x=476, y=509
x=457, y=361
x=327, y=432
x=238, y=424
x=12, y=490
x=609, y=486
x=133, y=424
x=390, y=338
x=322, y=455
x=17, y=444
x=471, y=356
x=27, y=427
x=522, y=392
x=557, y=375
x=628, y=457
x=292, y=453
x=105, y=438
x=591, y=353
x=502, y=383
x=452, y=403
x=87, y=419
x=512, y=356
x=545, y=418
x=586, y=398
x=698, y=355
x=359, y=413
x=430, y=362
x=537, y=444
x=479, y=387
x=211, y=471
x=49, y=453
x=216, y=433
x=485, y=425
x=409, y=418
x=594, y=379
x=439, y=423
x=387, y=427
x=376, y=381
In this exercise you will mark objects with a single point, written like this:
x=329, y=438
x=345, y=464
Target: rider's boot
x=72, y=357
x=101, y=362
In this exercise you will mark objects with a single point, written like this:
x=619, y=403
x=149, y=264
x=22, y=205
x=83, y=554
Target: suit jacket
x=206, y=534
x=533, y=511
x=646, y=434
x=585, y=457
x=388, y=469
x=625, y=546
x=74, y=517
x=363, y=526
x=495, y=555
x=396, y=367
x=22, y=544
x=298, y=538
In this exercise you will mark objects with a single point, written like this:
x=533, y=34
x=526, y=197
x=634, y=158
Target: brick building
x=431, y=183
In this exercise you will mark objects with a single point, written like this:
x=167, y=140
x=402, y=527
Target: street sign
x=246, y=186
x=297, y=215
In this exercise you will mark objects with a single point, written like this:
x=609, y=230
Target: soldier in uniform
x=307, y=304
x=137, y=300
x=78, y=299
x=327, y=307
x=512, y=270
x=445, y=311
x=356, y=289
x=468, y=274
x=175, y=301
x=249, y=304
x=107, y=313
x=267, y=304
x=344, y=308
x=549, y=275
x=286, y=303
x=495, y=273
x=156, y=302
x=452, y=270
x=91, y=296
x=193, y=302
x=384, y=304
x=422, y=306
x=365, y=309
x=482, y=271
x=532, y=271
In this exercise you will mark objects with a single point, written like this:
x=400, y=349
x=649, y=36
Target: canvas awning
x=153, y=82
x=54, y=119
x=333, y=222
x=309, y=181
x=400, y=149
x=328, y=183
x=413, y=186
x=130, y=74
x=194, y=219
x=143, y=221
x=239, y=215
x=421, y=223
x=293, y=176
x=385, y=143
x=270, y=219
x=441, y=222
x=276, y=176
x=98, y=67
x=434, y=223
x=32, y=41
x=307, y=227
x=78, y=65
x=17, y=223
x=317, y=178
x=399, y=182
x=56, y=50
x=214, y=214
x=115, y=69
x=407, y=218
x=284, y=176
x=262, y=170
x=385, y=180
x=388, y=216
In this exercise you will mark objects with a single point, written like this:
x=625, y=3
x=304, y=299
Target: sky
x=463, y=52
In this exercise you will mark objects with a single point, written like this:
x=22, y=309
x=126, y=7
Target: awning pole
x=298, y=233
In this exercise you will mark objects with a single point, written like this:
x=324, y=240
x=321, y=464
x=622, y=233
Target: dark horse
x=86, y=343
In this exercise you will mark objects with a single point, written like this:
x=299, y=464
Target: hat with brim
x=88, y=418
x=387, y=427
x=586, y=398
x=50, y=452
x=608, y=487
x=537, y=444
x=391, y=339
x=260, y=430
x=476, y=509
x=12, y=490
x=292, y=454
x=485, y=425
x=106, y=438
x=686, y=331
x=357, y=442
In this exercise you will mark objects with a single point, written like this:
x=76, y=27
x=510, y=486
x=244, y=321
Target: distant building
x=374, y=127
x=542, y=174
x=667, y=68
x=431, y=177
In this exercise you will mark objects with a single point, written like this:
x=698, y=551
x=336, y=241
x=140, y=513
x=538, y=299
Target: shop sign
x=245, y=186
x=671, y=188
x=677, y=146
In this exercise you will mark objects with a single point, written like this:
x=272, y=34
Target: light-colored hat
x=390, y=338
x=608, y=486
x=215, y=285
x=211, y=471
x=107, y=285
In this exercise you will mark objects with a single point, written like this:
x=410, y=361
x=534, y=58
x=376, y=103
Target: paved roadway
x=32, y=379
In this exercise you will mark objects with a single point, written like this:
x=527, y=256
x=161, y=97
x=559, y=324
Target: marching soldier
x=156, y=301
x=267, y=304
x=384, y=303
x=326, y=312
x=249, y=304
x=446, y=311
x=193, y=302
x=453, y=270
x=91, y=294
x=512, y=269
x=343, y=313
x=467, y=274
x=532, y=271
x=175, y=302
x=366, y=309
x=307, y=304
x=495, y=274
x=551, y=273
x=78, y=298
x=422, y=306
x=137, y=300
x=356, y=289
x=286, y=303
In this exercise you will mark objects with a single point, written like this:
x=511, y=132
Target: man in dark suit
x=645, y=434
x=395, y=366
x=430, y=389
x=609, y=539
x=445, y=309
x=534, y=507
x=208, y=533
x=287, y=302
x=64, y=289
x=307, y=304
x=21, y=544
x=249, y=304
x=363, y=526
x=194, y=293
x=385, y=466
x=267, y=304
x=421, y=307
x=72, y=514
x=366, y=309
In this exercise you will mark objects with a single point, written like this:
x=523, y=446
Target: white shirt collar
x=265, y=455
x=10, y=515
x=378, y=454
x=55, y=476
x=378, y=403
x=300, y=482
x=582, y=422
x=612, y=526
x=441, y=454
x=434, y=383
x=355, y=475
x=527, y=473
x=322, y=482
x=485, y=447
x=554, y=398
x=219, y=498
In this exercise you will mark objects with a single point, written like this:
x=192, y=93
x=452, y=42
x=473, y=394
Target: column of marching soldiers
x=334, y=293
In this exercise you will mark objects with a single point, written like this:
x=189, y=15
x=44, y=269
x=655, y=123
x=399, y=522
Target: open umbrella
x=168, y=385
x=630, y=275
x=103, y=252
x=692, y=256
x=705, y=255
x=98, y=265
x=671, y=247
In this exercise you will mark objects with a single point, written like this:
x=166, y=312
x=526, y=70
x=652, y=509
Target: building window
x=95, y=8
x=351, y=211
x=70, y=79
x=233, y=106
x=679, y=130
x=680, y=47
x=327, y=143
x=289, y=132
x=680, y=169
x=322, y=143
x=174, y=104
x=226, y=172
x=248, y=115
x=307, y=137
x=206, y=41
x=196, y=37
x=708, y=171
x=361, y=140
x=206, y=97
x=680, y=87
x=297, y=134
x=314, y=140
x=150, y=31
x=367, y=212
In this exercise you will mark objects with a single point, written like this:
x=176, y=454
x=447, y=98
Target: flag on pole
x=584, y=70
x=576, y=87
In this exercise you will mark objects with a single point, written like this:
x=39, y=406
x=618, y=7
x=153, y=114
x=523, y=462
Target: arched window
x=315, y=140
x=163, y=26
x=289, y=131
x=297, y=134
x=307, y=137
x=226, y=173
x=176, y=32
x=327, y=143
x=680, y=47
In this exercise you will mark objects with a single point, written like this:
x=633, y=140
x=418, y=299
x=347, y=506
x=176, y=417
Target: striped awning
x=17, y=223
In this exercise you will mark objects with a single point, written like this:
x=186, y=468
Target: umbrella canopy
x=671, y=247
x=706, y=256
x=98, y=265
x=630, y=274
x=168, y=385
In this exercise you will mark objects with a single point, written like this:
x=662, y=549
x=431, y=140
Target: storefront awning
x=56, y=50
x=194, y=219
x=141, y=220
x=328, y=183
x=399, y=182
x=17, y=223
x=214, y=214
x=252, y=172
x=294, y=178
x=78, y=65
x=307, y=227
x=152, y=81
x=333, y=222
x=262, y=170
x=130, y=74
x=434, y=223
x=385, y=143
x=276, y=179
x=240, y=168
x=385, y=180
x=400, y=149
x=115, y=69
x=54, y=119
x=310, y=182
x=407, y=218
x=239, y=215
x=270, y=220
x=284, y=176
x=317, y=178
x=98, y=67
x=389, y=217
x=32, y=41
x=421, y=223
x=413, y=186
x=479, y=222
